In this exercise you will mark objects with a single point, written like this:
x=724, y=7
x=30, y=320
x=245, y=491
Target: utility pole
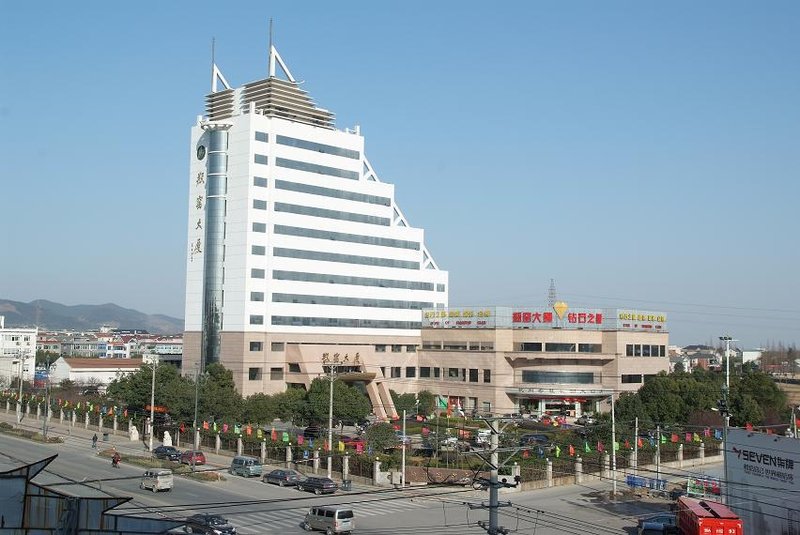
x=493, y=527
x=494, y=491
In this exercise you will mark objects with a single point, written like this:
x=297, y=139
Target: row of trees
x=218, y=399
x=689, y=398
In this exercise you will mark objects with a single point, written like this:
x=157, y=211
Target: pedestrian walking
x=94, y=441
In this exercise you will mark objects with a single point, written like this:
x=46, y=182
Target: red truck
x=704, y=517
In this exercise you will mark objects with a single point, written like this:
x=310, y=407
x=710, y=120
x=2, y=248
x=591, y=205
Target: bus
x=705, y=517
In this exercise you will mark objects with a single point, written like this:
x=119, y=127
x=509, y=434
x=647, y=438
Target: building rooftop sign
x=561, y=316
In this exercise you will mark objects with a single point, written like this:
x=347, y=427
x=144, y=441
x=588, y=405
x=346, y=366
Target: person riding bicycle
x=115, y=459
x=94, y=441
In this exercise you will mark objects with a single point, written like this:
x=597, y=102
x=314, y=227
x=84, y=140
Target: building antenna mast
x=551, y=294
x=271, y=55
x=213, y=66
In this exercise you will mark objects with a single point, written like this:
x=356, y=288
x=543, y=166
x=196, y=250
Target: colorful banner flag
x=259, y=433
x=600, y=447
x=640, y=442
x=341, y=446
x=300, y=439
x=571, y=450
x=586, y=447
x=717, y=434
x=663, y=439
x=696, y=438
x=237, y=429
x=325, y=445
x=274, y=435
x=525, y=454
x=627, y=444
x=215, y=427
x=224, y=428
x=748, y=426
x=674, y=438
x=205, y=425
x=707, y=432
x=182, y=428
x=688, y=437
x=616, y=446
x=558, y=451
x=441, y=402
x=285, y=437
x=249, y=430
x=359, y=447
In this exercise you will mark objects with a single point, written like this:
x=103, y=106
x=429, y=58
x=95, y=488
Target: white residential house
x=92, y=370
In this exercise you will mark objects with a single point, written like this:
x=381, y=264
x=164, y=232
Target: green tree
x=259, y=408
x=404, y=402
x=348, y=402
x=291, y=406
x=427, y=402
x=381, y=436
x=171, y=390
x=218, y=398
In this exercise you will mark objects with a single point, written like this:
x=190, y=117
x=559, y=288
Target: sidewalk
x=81, y=437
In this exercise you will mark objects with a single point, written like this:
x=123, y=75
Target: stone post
x=376, y=470
x=38, y=411
x=86, y=420
x=680, y=455
x=549, y=473
x=8, y=405
x=346, y=467
x=196, y=443
x=61, y=415
x=578, y=470
x=634, y=461
x=702, y=453
x=606, y=464
x=289, y=456
x=217, y=444
x=239, y=446
x=316, y=461
x=100, y=424
x=263, y=451
x=73, y=417
x=29, y=410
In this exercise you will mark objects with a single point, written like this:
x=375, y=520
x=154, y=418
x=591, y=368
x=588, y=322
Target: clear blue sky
x=642, y=154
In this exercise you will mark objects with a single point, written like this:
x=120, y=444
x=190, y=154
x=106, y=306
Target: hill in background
x=55, y=316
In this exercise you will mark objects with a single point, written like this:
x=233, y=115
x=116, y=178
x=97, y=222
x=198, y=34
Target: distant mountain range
x=54, y=316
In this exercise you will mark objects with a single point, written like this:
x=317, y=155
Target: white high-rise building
x=296, y=248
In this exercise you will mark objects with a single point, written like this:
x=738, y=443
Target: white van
x=157, y=479
x=329, y=519
x=483, y=437
x=245, y=466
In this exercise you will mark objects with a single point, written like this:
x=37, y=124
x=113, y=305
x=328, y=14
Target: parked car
x=167, y=452
x=209, y=523
x=193, y=457
x=657, y=523
x=536, y=440
x=586, y=419
x=352, y=442
x=312, y=432
x=318, y=485
x=283, y=478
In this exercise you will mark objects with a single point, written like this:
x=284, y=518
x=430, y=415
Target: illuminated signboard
x=560, y=316
x=459, y=318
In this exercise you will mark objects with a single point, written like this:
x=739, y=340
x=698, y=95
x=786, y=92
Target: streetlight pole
x=725, y=409
x=195, y=445
x=20, y=407
x=613, y=449
x=152, y=402
x=403, y=455
x=47, y=401
x=332, y=364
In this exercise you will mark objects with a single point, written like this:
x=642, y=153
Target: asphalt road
x=256, y=508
